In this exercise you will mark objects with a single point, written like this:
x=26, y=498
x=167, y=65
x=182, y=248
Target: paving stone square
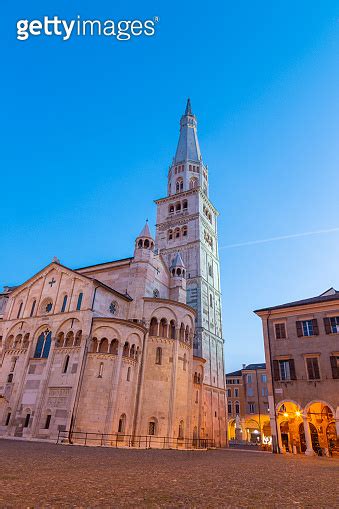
x=35, y=474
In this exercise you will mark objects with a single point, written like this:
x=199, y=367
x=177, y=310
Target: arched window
x=152, y=427
x=122, y=423
x=177, y=233
x=163, y=328
x=210, y=273
x=43, y=345
x=197, y=396
x=184, y=231
x=113, y=347
x=60, y=340
x=179, y=186
x=172, y=329
x=65, y=366
x=193, y=183
x=178, y=271
x=170, y=234
x=153, y=330
x=48, y=420
x=69, y=339
x=171, y=209
x=94, y=347
x=79, y=301
x=32, y=308
x=146, y=244
x=158, y=355
x=25, y=342
x=27, y=418
x=64, y=303
x=8, y=417
x=187, y=334
x=19, y=310
x=132, y=351
x=237, y=407
x=211, y=301
x=101, y=370
x=103, y=347
x=229, y=407
x=128, y=377
x=181, y=430
x=140, y=243
x=184, y=205
x=78, y=336
x=178, y=206
x=182, y=332
x=125, y=351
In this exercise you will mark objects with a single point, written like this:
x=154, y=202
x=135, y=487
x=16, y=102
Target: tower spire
x=188, y=145
x=188, y=110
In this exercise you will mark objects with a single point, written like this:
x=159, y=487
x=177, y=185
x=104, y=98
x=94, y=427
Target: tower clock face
x=113, y=307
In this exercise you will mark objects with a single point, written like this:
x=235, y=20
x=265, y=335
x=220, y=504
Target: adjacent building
x=302, y=357
x=132, y=347
x=247, y=404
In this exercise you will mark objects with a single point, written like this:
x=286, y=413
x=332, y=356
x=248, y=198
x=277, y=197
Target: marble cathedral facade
x=128, y=348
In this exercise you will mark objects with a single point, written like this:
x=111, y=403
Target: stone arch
x=94, y=345
x=282, y=402
x=59, y=342
x=164, y=312
x=68, y=324
x=322, y=402
x=103, y=345
x=78, y=338
x=163, y=328
x=114, y=347
x=125, y=351
x=107, y=332
x=153, y=328
x=69, y=339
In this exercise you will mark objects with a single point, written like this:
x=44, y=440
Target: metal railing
x=138, y=441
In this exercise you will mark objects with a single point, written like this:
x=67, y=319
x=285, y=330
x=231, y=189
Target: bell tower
x=187, y=224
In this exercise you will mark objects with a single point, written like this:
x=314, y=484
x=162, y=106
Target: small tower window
x=184, y=231
x=170, y=234
x=158, y=355
x=151, y=428
x=64, y=303
x=128, y=377
x=33, y=308
x=19, y=310
x=79, y=301
x=64, y=369
x=184, y=205
x=101, y=370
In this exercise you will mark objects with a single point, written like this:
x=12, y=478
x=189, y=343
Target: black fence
x=139, y=441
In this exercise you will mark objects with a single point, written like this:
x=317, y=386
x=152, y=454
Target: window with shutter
x=280, y=331
x=292, y=369
x=276, y=372
x=299, y=329
x=335, y=366
x=315, y=327
x=313, y=371
x=327, y=325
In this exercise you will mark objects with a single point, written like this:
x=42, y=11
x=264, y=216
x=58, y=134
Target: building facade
x=247, y=405
x=302, y=356
x=119, y=348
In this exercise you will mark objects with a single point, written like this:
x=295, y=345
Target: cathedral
x=129, y=348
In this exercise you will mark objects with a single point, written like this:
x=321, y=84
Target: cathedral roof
x=177, y=261
x=188, y=145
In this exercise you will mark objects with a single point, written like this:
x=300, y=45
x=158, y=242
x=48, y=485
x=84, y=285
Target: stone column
x=309, y=451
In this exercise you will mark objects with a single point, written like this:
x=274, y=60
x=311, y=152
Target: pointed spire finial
x=188, y=110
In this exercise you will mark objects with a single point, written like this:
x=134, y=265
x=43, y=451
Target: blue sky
x=89, y=127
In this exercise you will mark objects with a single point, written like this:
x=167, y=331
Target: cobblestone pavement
x=34, y=474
